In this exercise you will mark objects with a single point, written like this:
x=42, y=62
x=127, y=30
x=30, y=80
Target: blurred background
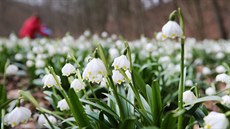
x=130, y=18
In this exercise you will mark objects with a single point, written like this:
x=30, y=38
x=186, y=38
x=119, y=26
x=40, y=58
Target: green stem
x=114, y=89
x=181, y=85
x=2, y=118
x=91, y=88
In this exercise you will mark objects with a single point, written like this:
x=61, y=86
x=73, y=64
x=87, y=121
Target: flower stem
x=181, y=85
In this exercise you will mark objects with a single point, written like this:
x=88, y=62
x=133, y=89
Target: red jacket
x=31, y=27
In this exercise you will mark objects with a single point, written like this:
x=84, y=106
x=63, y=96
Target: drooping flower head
x=17, y=116
x=188, y=96
x=94, y=70
x=118, y=78
x=11, y=70
x=121, y=62
x=76, y=85
x=216, y=120
x=62, y=104
x=49, y=80
x=68, y=69
x=171, y=30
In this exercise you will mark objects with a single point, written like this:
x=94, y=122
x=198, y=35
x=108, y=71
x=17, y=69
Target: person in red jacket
x=31, y=27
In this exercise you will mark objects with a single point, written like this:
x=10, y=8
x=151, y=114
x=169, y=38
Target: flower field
x=104, y=81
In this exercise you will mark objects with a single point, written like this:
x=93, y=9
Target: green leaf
x=27, y=95
x=129, y=123
x=203, y=99
x=154, y=98
x=150, y=127
x=4, y=104
x=139, y=83
x=77, y=109
x=102, y=106
x=168, y=121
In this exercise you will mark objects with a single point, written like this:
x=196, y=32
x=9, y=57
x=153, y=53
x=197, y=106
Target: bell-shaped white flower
x=188, y=83
x=215, y=120
x=188, y=96
x=94, y=70
x=171, y=30
x=49, y=80
x=29, y=63
x=121, y=62
x=226, y=100
x=113, y=52
x=220, y=69
x=223, y=78
x=40, y=63
x=11, y=70
x=206, y=71
x=210, y=91
x=18, y=57
x=17, y=116
x=43, y=122
x=117, y=77
x=77, y=85
x=68, y=69
x=62, y=104
x=160, y=36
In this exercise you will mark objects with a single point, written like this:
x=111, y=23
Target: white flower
x=62, y=104
x=226, y=99
x=206, y=71
x=104, y=34
x=18, y=57
x=188, y=96
x=17, y=116
x=94, y=70
x=87, y=33
x=220, y=69
x=149, y=47
x=210, y=91
x=171, y=30
x=49, y=80
x=159, y=36
x=215, y=120
x=76, y=85
x=223, y=78
x=29, y=63
x=113, y=52
x=68, y=69
x=42, y=120
x=11, y=70
x=121, y=62
x=117, y=77
x=220, y=55
x=40, y=63
x=188, y=83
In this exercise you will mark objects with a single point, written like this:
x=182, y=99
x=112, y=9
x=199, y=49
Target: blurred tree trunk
x=199, y=19
x=219, y=19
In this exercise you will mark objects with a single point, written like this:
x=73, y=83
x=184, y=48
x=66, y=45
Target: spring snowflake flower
x=188, y=96
x=68, y=69
x=42, y=120
x=188, y=83
x=226, y=100
x=29, y=63
x=94, y=71
x=11, y=70
x=117, y=77
x=210, y=91
x=128, y=74
x=40, y=63
x=121, y=62
x=113, y=52
x=206, y=71
x=18, y=57
x=220, y=69
x=149, y=47
x=17, y=116
x=49, y=80
x=76, y=85
x=171, y=30
x=223, y=78
x=62, y=104
x=159, y=36
x=215, y=120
